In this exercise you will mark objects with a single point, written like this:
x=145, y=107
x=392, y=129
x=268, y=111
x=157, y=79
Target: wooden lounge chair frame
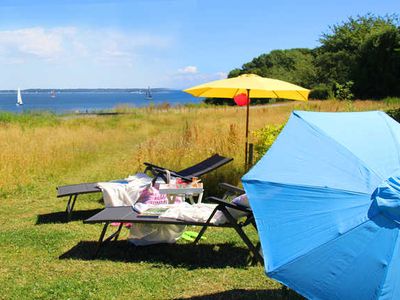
x=125, y=214
x=74, y=190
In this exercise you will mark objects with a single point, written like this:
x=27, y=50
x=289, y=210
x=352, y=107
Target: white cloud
x=188, y=70
x=186, y=79
x=62, y=44
x=31, y=41
x=221, y=75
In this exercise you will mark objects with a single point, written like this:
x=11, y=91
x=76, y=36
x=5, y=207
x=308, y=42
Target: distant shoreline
x=90, y=90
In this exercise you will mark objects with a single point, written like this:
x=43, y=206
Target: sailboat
x=53, y=94
x=149, y=96
x=19, y=98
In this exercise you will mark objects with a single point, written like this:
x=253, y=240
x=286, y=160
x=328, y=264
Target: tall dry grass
x=92, y=148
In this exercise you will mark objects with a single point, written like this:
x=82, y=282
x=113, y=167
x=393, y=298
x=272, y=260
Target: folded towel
x=124, y=193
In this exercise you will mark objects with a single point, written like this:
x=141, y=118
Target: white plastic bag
x=200, y=212
x=149, y=234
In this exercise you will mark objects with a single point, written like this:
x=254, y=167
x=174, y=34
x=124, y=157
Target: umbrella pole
x=247, y=131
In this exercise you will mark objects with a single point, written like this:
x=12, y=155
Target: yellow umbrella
x=254, y=86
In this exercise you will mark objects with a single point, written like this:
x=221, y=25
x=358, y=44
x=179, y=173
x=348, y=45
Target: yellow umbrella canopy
x=259, y=87
x=254, y=86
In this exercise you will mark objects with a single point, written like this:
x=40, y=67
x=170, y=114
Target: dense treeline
x=359, y=58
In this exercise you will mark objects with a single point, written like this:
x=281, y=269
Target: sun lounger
x=197, y=170
x=126, y=214
x=213, y=162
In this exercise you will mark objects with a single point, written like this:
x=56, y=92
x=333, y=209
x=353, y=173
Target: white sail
x=19, y=98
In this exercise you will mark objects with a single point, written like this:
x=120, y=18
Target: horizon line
x=98, y=88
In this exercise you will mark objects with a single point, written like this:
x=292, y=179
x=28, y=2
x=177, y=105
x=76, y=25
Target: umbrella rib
x=276, y=94
x=392, y=134
x=323, y=244
x=388, y=265
x=322, y=132
x=305, y=292
x=305, y=99
x=325, y=188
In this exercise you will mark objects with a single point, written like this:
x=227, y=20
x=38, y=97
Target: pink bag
x=152, y=195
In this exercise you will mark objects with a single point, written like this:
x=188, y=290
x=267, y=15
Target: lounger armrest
x=154, y=169
x=158, y=171
x=150, y=165
x=231, y=188
x=174, y=174
x=228, y=204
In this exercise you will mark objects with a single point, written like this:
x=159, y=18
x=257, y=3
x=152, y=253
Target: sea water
x=89, y=101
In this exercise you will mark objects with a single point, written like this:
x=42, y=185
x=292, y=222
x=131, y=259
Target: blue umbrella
x=326, y=199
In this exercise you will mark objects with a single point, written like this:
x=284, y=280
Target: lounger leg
x=258, y=246
x=204, y=228
x=103, y=241
x=70, y=205
x=243, y=235
x=118, y=231
x=100, y=242
x=73, y=203
x=249, y=244
x=256, y=259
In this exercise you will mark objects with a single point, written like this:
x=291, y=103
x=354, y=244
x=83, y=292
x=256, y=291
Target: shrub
x=391, y=100
x=343, y=91
x=321, y=92
x=265, y=138
x=219, y=101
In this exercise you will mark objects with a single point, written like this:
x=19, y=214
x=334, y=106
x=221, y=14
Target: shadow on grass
x=283, y=294
x=61, y=216
x=189, y=256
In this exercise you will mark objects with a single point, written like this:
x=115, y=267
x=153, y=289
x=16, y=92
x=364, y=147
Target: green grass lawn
x=44, y=257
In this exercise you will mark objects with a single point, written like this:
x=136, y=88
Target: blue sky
x=161, y=43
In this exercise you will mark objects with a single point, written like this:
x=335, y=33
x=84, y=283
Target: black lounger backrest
x=207, y=165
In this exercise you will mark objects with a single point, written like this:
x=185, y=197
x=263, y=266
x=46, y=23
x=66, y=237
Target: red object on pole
x=241, y=99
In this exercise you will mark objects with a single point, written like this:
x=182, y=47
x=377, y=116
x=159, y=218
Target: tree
x=234, y=73
x=359, y=57
x=377, y=74
x=340, y=55
x=293, y=65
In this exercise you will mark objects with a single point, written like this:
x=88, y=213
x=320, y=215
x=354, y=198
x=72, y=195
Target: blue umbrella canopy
x=326, y=198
